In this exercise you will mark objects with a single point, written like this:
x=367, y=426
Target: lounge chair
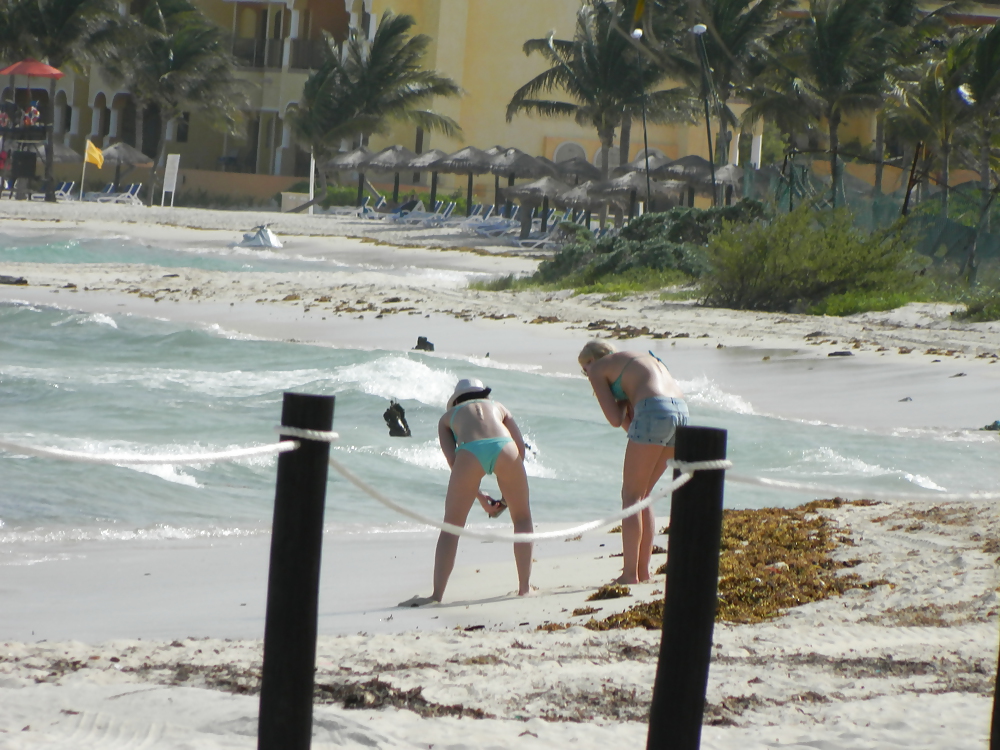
x=105, y=191
x=372, y=213
x=426, y=218
x=62, y=192
x=129, y=196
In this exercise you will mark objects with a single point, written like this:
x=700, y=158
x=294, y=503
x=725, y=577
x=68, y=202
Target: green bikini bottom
x=486, y=451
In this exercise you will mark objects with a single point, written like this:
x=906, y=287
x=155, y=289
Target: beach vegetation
x=980, y=306
x=364, y=87
x=797, y=261
x=851, y=303
x=771, y=559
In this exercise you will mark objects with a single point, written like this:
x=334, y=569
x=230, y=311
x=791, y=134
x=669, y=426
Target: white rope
x=780, y=484
x=320, y=436
x=496, y=536
x=136, y=459
x=692, y=466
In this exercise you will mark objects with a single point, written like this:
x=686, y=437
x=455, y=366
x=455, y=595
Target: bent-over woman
x=478, y=437
x=637, y=393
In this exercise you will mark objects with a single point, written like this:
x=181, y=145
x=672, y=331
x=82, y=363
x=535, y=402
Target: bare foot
x=529, y=592
x=418, y=601
x=625, y=579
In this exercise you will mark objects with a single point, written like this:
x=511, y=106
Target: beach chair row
x=128, y=196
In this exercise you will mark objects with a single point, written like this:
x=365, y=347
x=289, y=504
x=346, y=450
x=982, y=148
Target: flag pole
x=83, y=173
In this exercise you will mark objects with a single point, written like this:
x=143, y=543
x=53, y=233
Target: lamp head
x=637, y=33
x=698, y=29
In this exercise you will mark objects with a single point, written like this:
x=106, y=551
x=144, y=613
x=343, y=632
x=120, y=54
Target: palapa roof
x=577, y=167
x=692, y=169
x=391, y=159
x=587, y=195
x=636, y=181
x=427, y=160
x=470, y=160
x=122, y=154
x=531, y=193
x=638, y=164
x=350, y=160
x=60, y=154
x=515, y=163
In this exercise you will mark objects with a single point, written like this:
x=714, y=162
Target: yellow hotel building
x=478, y=43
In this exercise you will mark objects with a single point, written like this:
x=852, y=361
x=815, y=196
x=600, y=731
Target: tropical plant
x=602, y=75
x=374, y=83
x=61, y=33
x=178, y=61
x=831, y=64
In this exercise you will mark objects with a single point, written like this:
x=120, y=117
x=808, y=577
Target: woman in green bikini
x=478, y=437
x=637, y=393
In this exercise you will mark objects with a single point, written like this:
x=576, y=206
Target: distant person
x=637, y=393
x=478, y=437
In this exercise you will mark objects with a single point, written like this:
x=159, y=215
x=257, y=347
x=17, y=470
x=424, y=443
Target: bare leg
x=648, y=518
x=466, y=474
x=641, y=460
x=513, y=484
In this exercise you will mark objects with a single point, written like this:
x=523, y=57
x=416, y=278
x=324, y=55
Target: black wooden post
x=995, y=723
x=286, y=694
x=691, y=599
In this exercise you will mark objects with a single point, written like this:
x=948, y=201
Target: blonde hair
x=595, y=350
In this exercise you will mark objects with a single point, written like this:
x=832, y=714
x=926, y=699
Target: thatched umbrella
x=429, y=160
x=60, y=154
x=632, y=184
x=470, y=161
x=638, y=164
x=589, y=197
x=531, y=194
x=392, y=159
x=579, y=169
x=123, y=155
x=514, y=163
x=730, y=177
x=351, y=161
x=692, y=169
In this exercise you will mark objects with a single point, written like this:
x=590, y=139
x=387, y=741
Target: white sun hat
x=466, y=385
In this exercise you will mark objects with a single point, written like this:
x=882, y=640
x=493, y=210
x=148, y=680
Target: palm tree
x=61, y=33
x=601, y=75
x=934, y=107
x=178, y=61
x=371, y=85
x=831, y=64
x=981, y=91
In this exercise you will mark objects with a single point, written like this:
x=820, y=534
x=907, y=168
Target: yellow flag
x=94, y=155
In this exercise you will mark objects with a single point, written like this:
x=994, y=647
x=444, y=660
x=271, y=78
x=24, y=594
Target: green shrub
x=798, y=260
x=982, y=306
x=631, y=281
x=851, y=303
x=506, y=283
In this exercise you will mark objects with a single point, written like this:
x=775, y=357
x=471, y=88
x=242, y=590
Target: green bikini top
x=616, y=388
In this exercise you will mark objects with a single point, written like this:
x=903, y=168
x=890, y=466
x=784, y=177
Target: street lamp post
x=637, y=34
x=699, y=30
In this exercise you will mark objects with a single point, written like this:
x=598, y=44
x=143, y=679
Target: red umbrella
x=32, y=69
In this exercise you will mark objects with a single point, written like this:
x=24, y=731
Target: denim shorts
x=656, y=420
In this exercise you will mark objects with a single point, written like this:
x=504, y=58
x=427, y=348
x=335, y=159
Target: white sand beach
x=160, y=646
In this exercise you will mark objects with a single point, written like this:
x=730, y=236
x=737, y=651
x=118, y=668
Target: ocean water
x=93, y=382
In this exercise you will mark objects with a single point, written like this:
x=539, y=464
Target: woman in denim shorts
x=638, y=394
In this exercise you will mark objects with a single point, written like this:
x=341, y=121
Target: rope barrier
x=780, y=484
x=134, y=459
x=494, y=536
x=320, y=436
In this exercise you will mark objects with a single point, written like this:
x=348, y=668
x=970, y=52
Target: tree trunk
x=833, y=120
x=945, y=177
x=879, y=151
x=140, y=125
x=50, y=186
x=625, y=140
x=607, y=137
x=984, y=175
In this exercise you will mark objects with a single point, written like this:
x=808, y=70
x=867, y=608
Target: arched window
x=569, y=150
x=613, y=158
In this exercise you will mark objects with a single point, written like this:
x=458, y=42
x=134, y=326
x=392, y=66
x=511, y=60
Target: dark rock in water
x=995, y=427
x=15, y=280
x=395, y=420
x=423, y=344
x=840, y=354
x=905, y=398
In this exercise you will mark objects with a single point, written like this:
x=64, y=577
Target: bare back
x=477, y=420
x=642, y=376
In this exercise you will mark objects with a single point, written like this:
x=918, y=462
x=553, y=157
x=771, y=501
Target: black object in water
x=395, y=419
